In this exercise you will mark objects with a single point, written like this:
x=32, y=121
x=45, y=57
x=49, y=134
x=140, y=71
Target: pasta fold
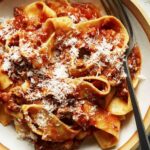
x=107, y=126
x=39, y=10
x=5, y=81
x=119, y=106
x=97, y=85
x=48, y=126
x=5, y=118
x=106, y=22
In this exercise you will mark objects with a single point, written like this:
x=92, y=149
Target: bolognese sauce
x=77, y=12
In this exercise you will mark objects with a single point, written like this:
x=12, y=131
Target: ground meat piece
x=68, y=145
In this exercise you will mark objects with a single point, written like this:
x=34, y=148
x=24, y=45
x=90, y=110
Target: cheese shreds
x=28, y=50
x=91, y=41
x=18, y=58
x=74, y=52
x=41, y=120
x=71, y=41
x=123, y=74
x=58, y=88
x=60, y=71
x=102, y=48
x=11, y=60
x=35, y=95
x=15, y=56
x=49, y=106
x=117, y=40
x=104, y=52
x=74, y=19
x=7, y=29
x=114, y=58
x=6, y=64
x=30, y=74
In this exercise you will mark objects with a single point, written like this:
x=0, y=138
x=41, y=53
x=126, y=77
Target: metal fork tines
x=115, y=8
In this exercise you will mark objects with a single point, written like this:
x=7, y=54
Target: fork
x=115, y=7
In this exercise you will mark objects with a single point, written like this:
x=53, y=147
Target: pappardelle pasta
x=61, y=74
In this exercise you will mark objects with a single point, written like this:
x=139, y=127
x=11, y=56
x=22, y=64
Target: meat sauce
x=68, y=145
x=22, y=22
x=134, y=59
x=83, y=12
x=86, y=44
x=76, y=11
x=134, y=62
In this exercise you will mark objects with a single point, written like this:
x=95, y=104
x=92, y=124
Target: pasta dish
x=61, y=74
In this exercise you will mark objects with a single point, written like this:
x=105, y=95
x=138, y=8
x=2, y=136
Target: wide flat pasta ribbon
x=90, y=87
x=106, y=22
x=23, y=130
x=108, y=98
x=98, y=85
x=51, y=26
x=5, y=119
x=47, y=47
x=61, y=2
x=39, y=10
x=120, y=107
x=60, y=23
x=48, y=126
x=5, y=81
x=107, y=125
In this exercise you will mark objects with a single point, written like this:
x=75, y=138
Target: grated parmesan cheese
x=60, y=71
x=123, y=74
x=74, y=19
x=116, y=41
x=74, y=52
x=7, y=29
x=50, y=107
x=33, y=95
x=32, y=80
x=102, y=48
x=70, y=42
x=6, y=64
x=82, y=19
x=15, y=56
x=23, y=132
x=58, y=88
x=41, y=120
x=30, y=74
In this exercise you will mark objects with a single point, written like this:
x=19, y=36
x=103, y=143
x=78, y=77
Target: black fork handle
x=143, y=139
